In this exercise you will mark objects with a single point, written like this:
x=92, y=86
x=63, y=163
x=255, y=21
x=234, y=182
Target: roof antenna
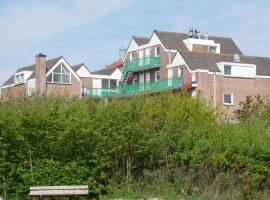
x=122, y=52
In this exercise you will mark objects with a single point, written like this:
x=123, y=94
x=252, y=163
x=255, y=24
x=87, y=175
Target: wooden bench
x=71, y=192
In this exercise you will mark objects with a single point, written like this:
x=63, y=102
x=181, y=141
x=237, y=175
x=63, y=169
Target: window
x=228, y=99
x=60, y=75
x=132, y=55
x=105, y=83
x=157, y=75
x=194, y=78
x=180, y=71
x=157, y=51
x=212, y=49
x=227, y=70
x=19, y=78
x=112, y=84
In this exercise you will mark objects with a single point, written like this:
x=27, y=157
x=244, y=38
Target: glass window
x=57, y=69
x=65, y=78
x=180, y=71
x=157, y=75
x=59, y=75
x=157, y=51
x=132, y=55
x=227, y=70
x=112, y=83
x=228, y=99
x=105, y=83
x=212, y=49
x=19, y=78
x=49, y=78
x=56, y=78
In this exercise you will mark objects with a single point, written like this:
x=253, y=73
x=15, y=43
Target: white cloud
x=27, y=23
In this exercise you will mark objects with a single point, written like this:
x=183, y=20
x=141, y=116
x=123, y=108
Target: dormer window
x=212, y=49
x=228, y=70
x=19, y=78
x=60, y=75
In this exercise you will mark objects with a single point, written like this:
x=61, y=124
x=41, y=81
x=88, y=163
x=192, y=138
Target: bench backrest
x=76, y=190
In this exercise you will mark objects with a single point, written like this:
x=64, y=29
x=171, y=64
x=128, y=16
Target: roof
x=141, y=40
x=49, y=64
x=208, y=61
x=77, y=67
x=174, y=40
x=104, y=71
x=115, y=65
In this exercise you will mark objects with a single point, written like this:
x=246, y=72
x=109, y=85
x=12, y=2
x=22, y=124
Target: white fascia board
x=131, y=47
x=154, y=41
x=7, y=86
x=261, y=76
x=62, y=60
x=177, y=61
x=97, y=76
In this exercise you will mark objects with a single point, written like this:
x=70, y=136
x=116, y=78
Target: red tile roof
x=116, y=64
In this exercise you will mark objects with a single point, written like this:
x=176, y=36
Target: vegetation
x=166, y=146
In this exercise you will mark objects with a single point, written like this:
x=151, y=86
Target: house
x=56, y=76
x=104, y=82
x=53, y=76
x=211, y=65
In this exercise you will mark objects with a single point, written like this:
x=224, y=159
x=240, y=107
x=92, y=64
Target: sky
x=92, y=31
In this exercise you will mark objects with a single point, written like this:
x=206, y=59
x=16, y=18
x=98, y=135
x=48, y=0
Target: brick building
x=54, y=76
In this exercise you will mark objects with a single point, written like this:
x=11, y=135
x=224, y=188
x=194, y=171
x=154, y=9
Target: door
x=141, y=81
x=141, y=78
x=141, y=58
x=147, y=81
x=147, y=56
x=170, y=75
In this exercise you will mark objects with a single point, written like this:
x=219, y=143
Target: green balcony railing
x=126, y=90
x=141, y=63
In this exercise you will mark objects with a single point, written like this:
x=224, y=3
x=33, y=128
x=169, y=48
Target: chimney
x=40, y=73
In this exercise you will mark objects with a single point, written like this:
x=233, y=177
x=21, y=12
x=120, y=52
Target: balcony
x=141, y=64
x=127, y=90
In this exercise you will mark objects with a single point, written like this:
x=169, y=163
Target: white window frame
x=61, y=73
x=19, y=78
x=228, y=104
x=156, y=51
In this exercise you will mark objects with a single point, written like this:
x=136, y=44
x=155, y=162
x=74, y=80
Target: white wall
x=97, y=83
x=189, y=43
x=31, y=86
x=239, y=69
x=83, y=72
x=117, y=74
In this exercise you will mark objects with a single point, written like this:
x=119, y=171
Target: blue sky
x=92, y=31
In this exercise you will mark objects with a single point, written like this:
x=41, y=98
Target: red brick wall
x=72, y=89
x=14, y=91
x=239, y=87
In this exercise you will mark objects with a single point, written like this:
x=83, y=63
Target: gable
x=67, y=66
x=83, y=72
